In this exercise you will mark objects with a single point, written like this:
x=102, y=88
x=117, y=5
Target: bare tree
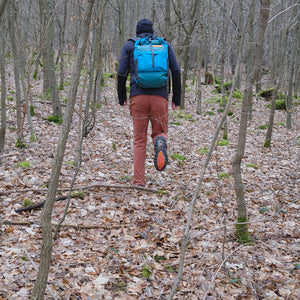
x=188, y=29
x=198, y=94
x=250, y=54
x=225, y=21
x=121, y=12
x=292, y=71
x=48, y=11
x=20, y=137
x=167, y=27
x=276, y=76
x=3, y=94
x=2, y=7
x=60, y=56
x=45, y=258
x=242, y=232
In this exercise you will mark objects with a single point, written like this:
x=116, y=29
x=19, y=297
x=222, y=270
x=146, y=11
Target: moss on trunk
x=241, y=231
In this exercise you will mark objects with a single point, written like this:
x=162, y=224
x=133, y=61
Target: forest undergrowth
x=124, y=243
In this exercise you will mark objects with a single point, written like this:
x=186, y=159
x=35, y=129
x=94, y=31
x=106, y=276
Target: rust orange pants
x=145, y=108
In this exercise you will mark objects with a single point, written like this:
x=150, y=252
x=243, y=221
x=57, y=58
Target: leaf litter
x=131, y=248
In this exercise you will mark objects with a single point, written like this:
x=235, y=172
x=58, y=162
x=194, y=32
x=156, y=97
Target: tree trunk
x=199, y=67
x=99, y=67
x=45, y=258
x=268, y=138
x=2, y=7
x=167, y=29
x=121, y=13
x=250, y=52
x=43, y=53
x=3, y=94
x=223, y=54
x=20, y=138
x=292, y=76
x=184, y=73
x=56, y=107
x=242, y=232
x=277, y=58
x=61, y=48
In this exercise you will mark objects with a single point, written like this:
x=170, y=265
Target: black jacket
x=126, y=64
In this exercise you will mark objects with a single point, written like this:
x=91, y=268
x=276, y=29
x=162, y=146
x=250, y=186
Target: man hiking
x=148, y=59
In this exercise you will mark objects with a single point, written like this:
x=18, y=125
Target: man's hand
x=125, y=104
x=174, y=106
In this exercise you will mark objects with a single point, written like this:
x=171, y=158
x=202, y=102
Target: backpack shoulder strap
x=134, y=39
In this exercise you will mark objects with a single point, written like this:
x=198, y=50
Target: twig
x=87, y=187
x=223, y=211
x=9, y=154
x=215, y=276
x=36, y=268
x=283, y=11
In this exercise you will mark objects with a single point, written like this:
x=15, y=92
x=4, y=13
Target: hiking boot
x=161, y=156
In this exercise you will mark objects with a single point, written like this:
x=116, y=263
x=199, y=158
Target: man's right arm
x=122, y=75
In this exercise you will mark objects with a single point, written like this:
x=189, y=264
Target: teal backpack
x=151, y=64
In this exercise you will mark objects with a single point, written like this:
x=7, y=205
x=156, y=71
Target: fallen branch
x=100, y=185
x=19, y=223
x=9, y=154
x=76, y=226
x=39, y=205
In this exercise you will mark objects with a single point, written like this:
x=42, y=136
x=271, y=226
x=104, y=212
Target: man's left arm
x=176, y=78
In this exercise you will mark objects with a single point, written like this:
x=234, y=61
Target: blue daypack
x=151, y=64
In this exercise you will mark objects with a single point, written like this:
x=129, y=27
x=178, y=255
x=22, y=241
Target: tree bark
x=56, y=107
x=20, y=138
x=3, y=94
x=2, y=7
x=199, y=66
x=223, y=54
x=250, y=52
x=292, y=76
x=167, y=29
x=268, y=138
x=61, y=48
x=45, y=258
x=121, y=11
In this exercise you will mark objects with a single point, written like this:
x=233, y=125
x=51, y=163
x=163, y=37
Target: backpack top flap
x=151, y=62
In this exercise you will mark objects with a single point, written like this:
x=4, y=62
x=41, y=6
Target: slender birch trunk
x=45, y=257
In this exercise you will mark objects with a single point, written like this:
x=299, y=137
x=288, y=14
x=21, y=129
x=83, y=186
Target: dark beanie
x=144, y=26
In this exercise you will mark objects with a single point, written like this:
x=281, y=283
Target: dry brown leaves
x=133, y=251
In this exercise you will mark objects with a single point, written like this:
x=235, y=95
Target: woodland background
x=220, y=223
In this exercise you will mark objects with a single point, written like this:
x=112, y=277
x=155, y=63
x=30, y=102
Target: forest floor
x=123, y=243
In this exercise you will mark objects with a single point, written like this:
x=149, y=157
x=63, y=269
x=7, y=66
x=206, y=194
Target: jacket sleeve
x=123, y=74
x=176, y=77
